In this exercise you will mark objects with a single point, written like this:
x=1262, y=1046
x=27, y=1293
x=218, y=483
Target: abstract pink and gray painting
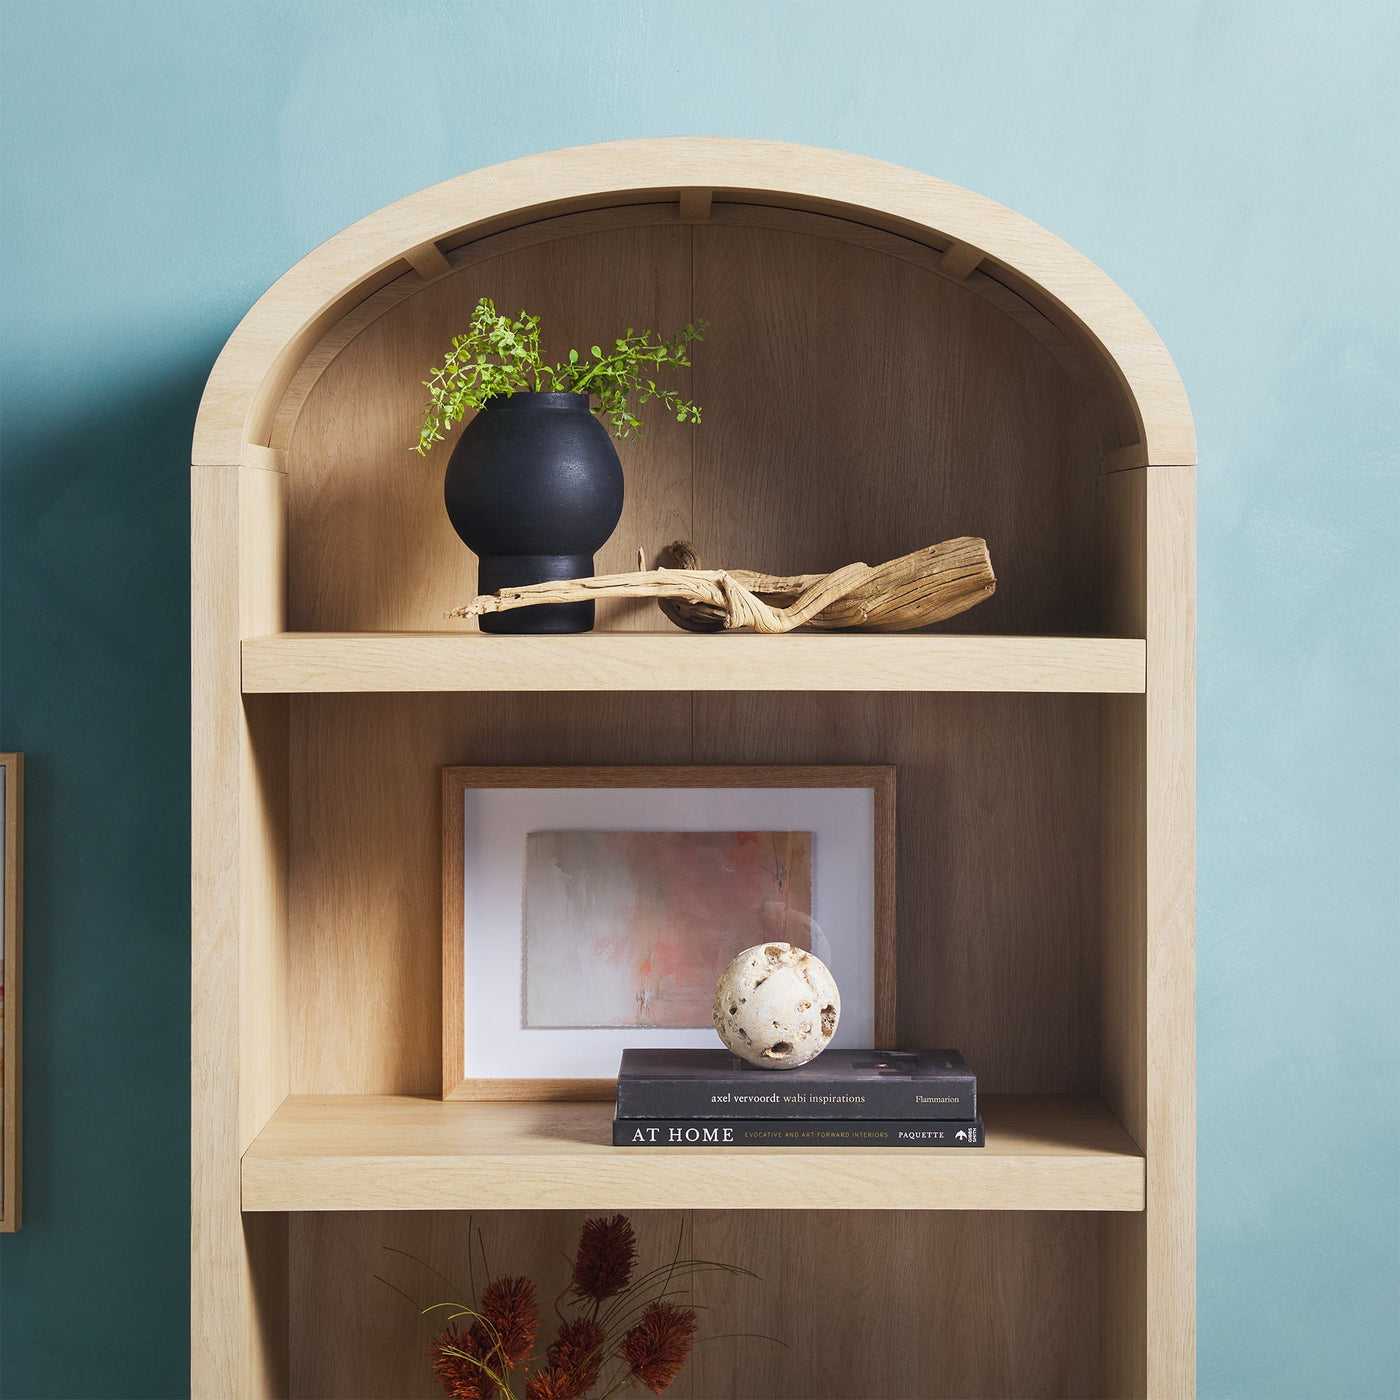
x=633, y=928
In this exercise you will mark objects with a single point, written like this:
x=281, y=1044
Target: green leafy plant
x=498, y=355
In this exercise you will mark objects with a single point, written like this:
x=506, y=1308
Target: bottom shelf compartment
x=1043, y=1152
x=885, y=1305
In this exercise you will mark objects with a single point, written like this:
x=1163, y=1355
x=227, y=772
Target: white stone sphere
x=777, y=1006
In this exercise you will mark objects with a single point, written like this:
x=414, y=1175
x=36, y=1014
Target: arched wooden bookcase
x=892, y=361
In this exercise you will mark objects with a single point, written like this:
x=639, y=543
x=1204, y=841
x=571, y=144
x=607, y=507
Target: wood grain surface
x=373, y=548
x=320, y=662
x=366, y=858
x=1082, y=358
x=817, y=449
x=861, y=1306
x=381, y=1269
x=1148, y=1065
x=891, y=361
x=997, y=954
x=238, y=988
x=997, y=859
x=241, y=401
x=901, y=1304
x=1043, y=1152
x=837, y=374
x=1170, y=973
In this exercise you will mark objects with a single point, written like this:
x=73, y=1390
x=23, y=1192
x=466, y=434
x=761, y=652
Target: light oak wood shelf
x=312, y=662
x=363, y=1152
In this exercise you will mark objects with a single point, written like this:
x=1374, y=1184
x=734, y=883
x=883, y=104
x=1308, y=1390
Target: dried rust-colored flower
x=576, y=1353
x=657, y=1347
x=551, y=1385
x=459, y=1376
x=508, y=1305
x=606, y=1249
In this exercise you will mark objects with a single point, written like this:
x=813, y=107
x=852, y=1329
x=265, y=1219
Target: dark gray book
x=778, y=1132
x=843, y=1084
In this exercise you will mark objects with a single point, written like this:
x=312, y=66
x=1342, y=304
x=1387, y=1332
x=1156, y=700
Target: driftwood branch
x=912, y=591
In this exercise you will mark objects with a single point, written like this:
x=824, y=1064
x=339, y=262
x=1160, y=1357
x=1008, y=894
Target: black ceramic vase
x=534, y=486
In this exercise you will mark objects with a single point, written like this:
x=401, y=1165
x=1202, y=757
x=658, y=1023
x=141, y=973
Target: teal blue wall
x=1233, y=166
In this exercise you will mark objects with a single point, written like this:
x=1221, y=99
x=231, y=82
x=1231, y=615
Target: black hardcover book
x=778, y=1132
x=847, y=1084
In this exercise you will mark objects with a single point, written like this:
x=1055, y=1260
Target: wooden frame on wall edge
x=11, y=947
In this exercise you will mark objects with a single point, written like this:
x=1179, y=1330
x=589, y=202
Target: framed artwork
x=11, y=873
x=586, y=910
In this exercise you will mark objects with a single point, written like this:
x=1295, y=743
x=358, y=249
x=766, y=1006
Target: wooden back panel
x=888, y=1305
x=857, y=406
x=997, y=859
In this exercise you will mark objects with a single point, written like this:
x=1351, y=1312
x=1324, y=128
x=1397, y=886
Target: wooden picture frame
x=457, y=781
x=11, y=905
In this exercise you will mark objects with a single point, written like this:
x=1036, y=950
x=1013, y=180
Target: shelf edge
x=818, y=1182
x=321, y=663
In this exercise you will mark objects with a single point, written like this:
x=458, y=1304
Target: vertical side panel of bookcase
x=238, y=932
x=1147, y=913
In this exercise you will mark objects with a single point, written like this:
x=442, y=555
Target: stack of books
x=843, y=1098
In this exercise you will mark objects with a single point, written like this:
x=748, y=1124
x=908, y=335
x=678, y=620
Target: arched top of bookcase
x=1069, y=304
